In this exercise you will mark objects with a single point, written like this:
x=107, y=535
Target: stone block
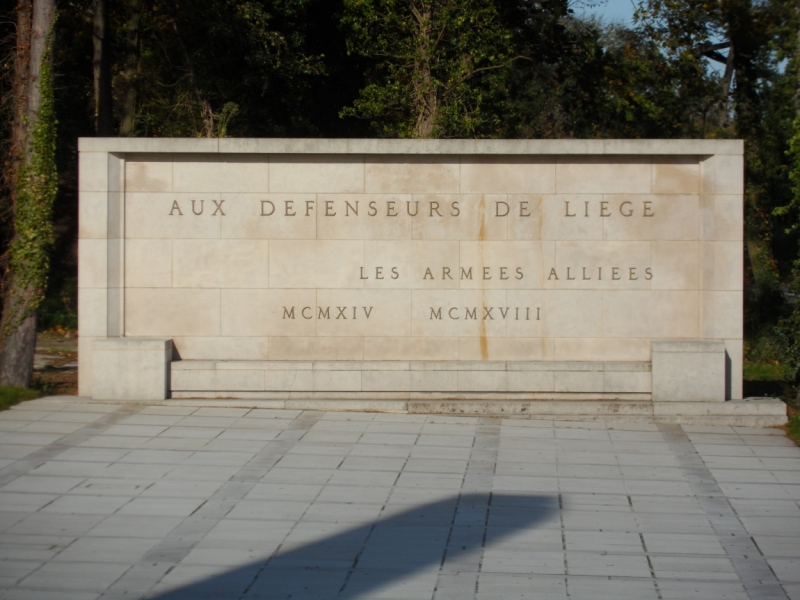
x=93, y=312
x=93, y=263
x=721, y=315
x=220, y=380
x=578, y=381
x=198, y=145
x=607, y=265
x=269, y=216
x=149, y=173
x=689, y=370
x=131, y=368
x=601, y=349
x=317, y=263
x=652, y=217
x=148, y=263
x=222, y=348
x=266, y=312
x=363, y=313
x=220, y=173
x=629, y=314
x=93, y=172
x=722, y=217
x=412, y=257
x=398, y=174
x=676, y=265
x=723, y=174
x=383, y=381
x=220, y=263
x=482, y=381
x=316, y=348
x=408, y=348
x=337, y=381
x=150, y=215
x=365, y=216
x=172, y=311
x=319, y=174
x=434, y=381
x=475, y=220
x=92, y=215
x=573, y=313
x=531, y=381
x=604, y=175
x=557, y=222
x=508, y=175
x=85, y=375
x=734, y=348
x=627, y=382
x=722, y=267
x=676, y=175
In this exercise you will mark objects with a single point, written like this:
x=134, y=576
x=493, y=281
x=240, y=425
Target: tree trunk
x=797, y=72
x=19, y=92
x=103, y=110
x=206, y=114
x=16, y=367
x=127, y=126
x=18, y=325
x=426, y=100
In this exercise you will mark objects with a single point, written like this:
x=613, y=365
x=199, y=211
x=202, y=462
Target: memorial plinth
x=388, y=274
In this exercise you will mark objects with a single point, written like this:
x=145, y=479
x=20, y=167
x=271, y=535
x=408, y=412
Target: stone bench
x=412, y=379
x=685, y=382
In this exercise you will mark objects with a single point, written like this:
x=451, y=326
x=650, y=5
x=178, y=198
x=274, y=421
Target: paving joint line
x=151, y=569
x=485, y=448
x=755, y=574
x=36, y=459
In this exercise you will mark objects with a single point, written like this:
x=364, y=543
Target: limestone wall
x=379, y=250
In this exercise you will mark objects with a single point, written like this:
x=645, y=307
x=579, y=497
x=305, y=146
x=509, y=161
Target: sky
x=611, y=10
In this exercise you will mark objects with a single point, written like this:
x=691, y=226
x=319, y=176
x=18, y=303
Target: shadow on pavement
x=394, y=550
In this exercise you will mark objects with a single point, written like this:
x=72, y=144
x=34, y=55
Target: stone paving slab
x=170, y=502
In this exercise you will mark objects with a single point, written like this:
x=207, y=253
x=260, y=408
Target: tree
x=132, y=70
x=438, y=65
x=103, y=106
x=33, y=189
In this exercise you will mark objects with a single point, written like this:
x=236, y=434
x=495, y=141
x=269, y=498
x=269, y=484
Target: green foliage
x=793, y=427
x=788, y=332
x=59, y=308
x=792, y=208
x=455, y=68
x=43, y=387
x=767, y=371
x=11, y=395
x=247, y=58
x=437, y=67
x=29, y=253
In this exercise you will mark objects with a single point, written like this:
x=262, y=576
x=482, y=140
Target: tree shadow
x=407, y=544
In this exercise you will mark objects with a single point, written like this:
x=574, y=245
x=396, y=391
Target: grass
x=10, y=395
x=793, y=426
x=766, y=371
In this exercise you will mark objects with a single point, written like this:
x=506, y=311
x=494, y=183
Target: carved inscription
x=328, y=312
x=516, y=275
x=487, y=313
x=602, y=209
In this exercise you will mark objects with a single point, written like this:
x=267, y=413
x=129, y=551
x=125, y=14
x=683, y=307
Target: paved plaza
x=183, y=502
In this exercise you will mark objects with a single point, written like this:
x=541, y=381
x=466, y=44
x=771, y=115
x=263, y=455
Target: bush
x=11, y=395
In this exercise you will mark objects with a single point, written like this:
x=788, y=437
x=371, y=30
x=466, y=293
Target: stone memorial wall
x=391, y=269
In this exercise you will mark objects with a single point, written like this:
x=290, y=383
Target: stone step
x=750, y=412
x=400, y=380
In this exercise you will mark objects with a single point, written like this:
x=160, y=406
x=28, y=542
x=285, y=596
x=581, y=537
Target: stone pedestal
x=688, y=370
x=131, y=368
